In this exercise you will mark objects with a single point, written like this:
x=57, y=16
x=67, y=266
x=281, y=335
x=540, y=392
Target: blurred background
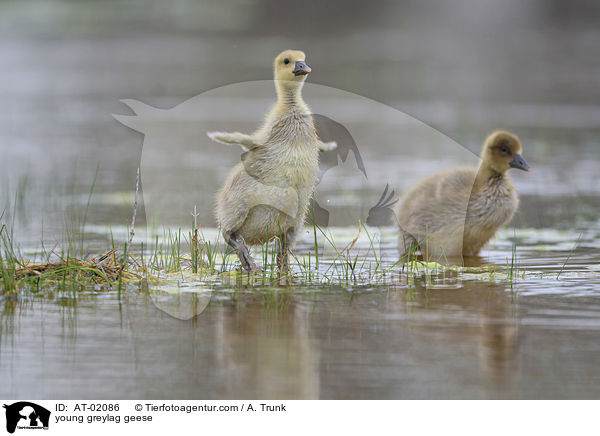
x=463, y=67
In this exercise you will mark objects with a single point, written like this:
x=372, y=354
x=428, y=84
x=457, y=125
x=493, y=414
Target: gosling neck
x=289, y=95
x=486, y=176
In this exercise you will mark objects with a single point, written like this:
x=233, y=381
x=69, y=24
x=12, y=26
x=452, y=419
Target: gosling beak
x=520, y=163
x=301, y=69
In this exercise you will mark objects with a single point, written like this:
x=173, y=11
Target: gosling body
x=266, y=196
x=455, y=213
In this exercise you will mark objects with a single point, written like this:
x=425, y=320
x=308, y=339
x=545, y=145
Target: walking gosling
x=266, y=196
x=456, y=212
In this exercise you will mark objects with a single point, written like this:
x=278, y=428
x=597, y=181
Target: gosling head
x=502, y=151
x=290, y=69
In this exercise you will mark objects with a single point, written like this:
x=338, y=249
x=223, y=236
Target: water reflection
x=443, y=342
x=265, y=346
x=246, y=346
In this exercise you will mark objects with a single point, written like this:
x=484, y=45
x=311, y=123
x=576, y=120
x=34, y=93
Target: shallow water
x=414, y=109
x=478, y=341
x=455, y=335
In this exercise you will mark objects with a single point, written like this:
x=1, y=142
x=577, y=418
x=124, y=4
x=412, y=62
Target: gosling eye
x=504, y=149
x=286, y=61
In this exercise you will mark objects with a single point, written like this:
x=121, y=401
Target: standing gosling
x=266, y=196
x=456, y=212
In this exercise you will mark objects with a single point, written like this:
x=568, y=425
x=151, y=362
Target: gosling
x=266, y=196
x=455, y=213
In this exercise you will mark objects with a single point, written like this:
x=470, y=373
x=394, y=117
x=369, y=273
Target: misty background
x=462, y=67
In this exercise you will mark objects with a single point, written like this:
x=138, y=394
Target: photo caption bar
x=296, y=417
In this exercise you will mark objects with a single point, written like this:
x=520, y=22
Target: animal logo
x=26, y=415
x=181, y=167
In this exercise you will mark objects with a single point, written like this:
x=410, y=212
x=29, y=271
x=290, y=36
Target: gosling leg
x=407, y=246
x=237, y=242
x=282, y=252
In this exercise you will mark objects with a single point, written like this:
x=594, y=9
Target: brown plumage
x=456, y=212
x=267, y=194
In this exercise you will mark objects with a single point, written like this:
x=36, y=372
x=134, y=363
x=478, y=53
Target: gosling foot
x=246, y=260
x=237, y=242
